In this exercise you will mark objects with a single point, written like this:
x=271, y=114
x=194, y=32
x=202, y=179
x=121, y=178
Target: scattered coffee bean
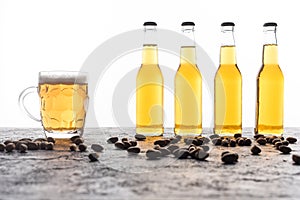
x=74, y=138
x=51, y=139
x=119, y=145
x=291, y=140
x=217, y=141
x=179, y=137
x=10, y=147
x=32, y=146
x=188, y=141
x=255, y=150
x=133, y=143
x=153, y=154
x=232, y=143
x=161, y=143
x=172, y=148
x=182, y=154
x=276, y=140
x=73, y=147
x=247, y=142
x=19, y=143
x=278, y=144
x=126, y=144
x=204, y=139
x=296, y=159
x=82, y=147
x=25, y=139
x=8, y=141
x=164, y=152
x=2, y=147
x=271, y=138
x=205, y=148
x=284, y=149
x=214, y=136
x=259, y=136
x=140, y=137
x=225, y=143
x=112, y=140
x=49, y=146
x=240, y=141
x=198, y=142
x=224, y=152
x=93, y=157
x=134, y=150
x=40, y=140
x=156, y=147
x=192, y=147
x=43, y=145
x=201, y=155
x=286, y=143
x=237, y=135
x=78, y=141
x=124, y=139
x=23, y=148
x=229, y=158
x=261, y=141
x=97, y=147
x=174, y=140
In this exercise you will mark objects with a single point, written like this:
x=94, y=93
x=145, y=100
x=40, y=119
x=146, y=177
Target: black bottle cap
x=227, y=24
x=150, y=24
x=270, y=24
x=188, y=24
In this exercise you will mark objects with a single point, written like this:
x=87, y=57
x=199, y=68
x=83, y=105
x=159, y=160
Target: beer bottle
x=188, y=88
x=270, y=83
x=149, y=87
x=228, y=87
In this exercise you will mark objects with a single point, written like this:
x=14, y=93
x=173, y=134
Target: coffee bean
x=259, y=136
x=214, y=136
x=224, y=152
x=51, y=139
x=205, y=148
x=97, y=147
x=237, y=135
x=205, y=140
x=225, y=143
x=8, y=141
x=284, y=149
x=2, y=147
x=182, y=154
x=291, y=140
x=43, y=145
x=192, y=148
x=198, y=142
x=25, y=139
x=40, y=140
x=271, y=138
x=140, y=137
x=179, y=137
x=156, y=147
x=126, y=145
x=82, y=147
x=119, y=145
x=10, y=147
x=23, y=148
x=112, y=140
x=232, y=143
x=247, y=142
x=261, y=141
x=93, y=157
x=217, y=141
x=32, y=146
x=153, y=154
x=201, y=155
x=278, y=144
x=172, y=148
x=124, y=139
x=134, y=150
x=161, y=143
x=286, y=143
x=78, y=141
x=276, y=140
x=240, y=141
x=174, y=140
x=19, y=143
x=255, y=150
x=296, y=159
x=229, y=158
x=74, y=138
x=164, y=152
x=73, y=147
x=133, y=143
x=188, y=141
x=49, y=146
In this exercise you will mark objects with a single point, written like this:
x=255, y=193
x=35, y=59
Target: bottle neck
x=188, y=49
x=150, y=54
x=270, y=50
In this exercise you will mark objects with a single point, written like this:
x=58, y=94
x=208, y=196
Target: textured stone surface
x=118, y=175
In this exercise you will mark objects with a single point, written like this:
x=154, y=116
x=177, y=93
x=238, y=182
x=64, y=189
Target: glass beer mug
x=63, y=102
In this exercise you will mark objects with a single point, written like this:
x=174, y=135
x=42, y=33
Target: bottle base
x=150, y=131
x=268, y=130
x=184, y=130
x=227, y=130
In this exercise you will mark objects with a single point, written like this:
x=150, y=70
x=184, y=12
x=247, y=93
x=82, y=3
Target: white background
x=37, y=35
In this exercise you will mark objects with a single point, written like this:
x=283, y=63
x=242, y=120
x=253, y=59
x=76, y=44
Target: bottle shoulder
x=270, y=71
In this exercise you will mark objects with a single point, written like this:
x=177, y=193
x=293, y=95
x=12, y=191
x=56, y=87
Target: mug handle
x=22, y=97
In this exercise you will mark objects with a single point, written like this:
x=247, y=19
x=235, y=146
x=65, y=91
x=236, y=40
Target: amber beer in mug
x=63, y=102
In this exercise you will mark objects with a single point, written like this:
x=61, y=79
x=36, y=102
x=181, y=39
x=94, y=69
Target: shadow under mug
x=63, y=102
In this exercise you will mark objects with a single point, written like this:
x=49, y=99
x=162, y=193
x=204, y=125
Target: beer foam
x=63, y=77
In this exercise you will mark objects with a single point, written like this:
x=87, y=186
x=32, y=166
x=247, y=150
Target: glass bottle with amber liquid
x=188, y=87
x=270, y=85
x=149, y=87
x=228, y=87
